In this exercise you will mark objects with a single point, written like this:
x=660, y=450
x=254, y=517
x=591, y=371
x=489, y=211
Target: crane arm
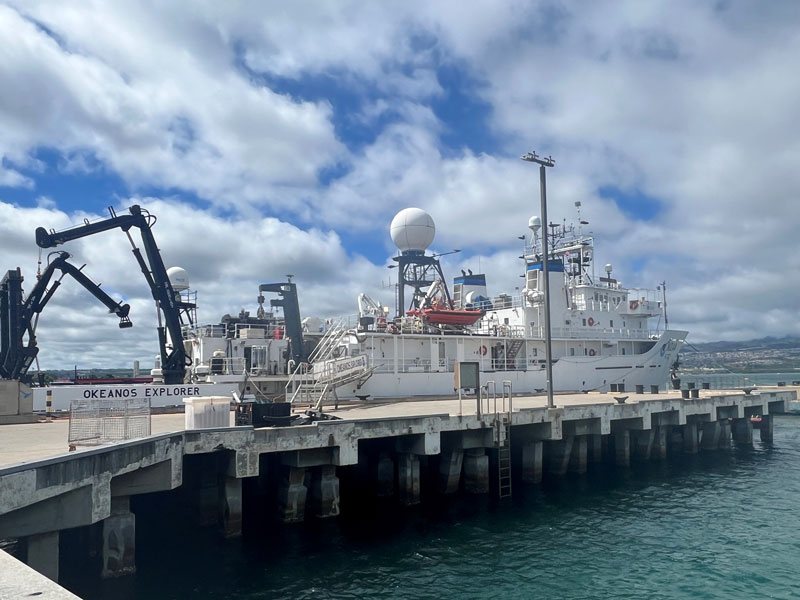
x=173, y=356
x=19, y=355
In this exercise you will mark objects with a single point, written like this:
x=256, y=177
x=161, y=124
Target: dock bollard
x=653, y=389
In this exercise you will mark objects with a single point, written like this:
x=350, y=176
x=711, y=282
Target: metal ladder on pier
x=502, y=436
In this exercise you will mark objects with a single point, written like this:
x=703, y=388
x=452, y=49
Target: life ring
x=634, y=304
x=591, y=352
x=482, y=350
x=590, y=321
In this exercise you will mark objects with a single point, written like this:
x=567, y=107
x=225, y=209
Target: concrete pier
x=382, y=446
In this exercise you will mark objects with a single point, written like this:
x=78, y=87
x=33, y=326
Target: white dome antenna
x=178, y=278
x=412, y=230
x=535, y=224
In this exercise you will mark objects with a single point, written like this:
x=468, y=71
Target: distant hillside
x=769, y=354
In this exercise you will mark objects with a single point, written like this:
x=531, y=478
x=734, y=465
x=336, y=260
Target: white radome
x=534, y=224
x=412, y=229
x=178, y=278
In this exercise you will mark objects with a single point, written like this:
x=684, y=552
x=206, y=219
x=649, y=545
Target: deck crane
x=168, y=302
x=20, y=317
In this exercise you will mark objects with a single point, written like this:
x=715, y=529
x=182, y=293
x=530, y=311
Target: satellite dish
x=412, y=229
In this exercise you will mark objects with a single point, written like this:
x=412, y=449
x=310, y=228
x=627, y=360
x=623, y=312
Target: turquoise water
x=720, y=525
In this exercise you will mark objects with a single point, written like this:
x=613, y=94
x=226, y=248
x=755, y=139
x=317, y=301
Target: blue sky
x=275, y=138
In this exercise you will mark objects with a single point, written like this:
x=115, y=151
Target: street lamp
x=543, y=164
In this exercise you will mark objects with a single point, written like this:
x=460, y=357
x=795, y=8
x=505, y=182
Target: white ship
x=604, y=336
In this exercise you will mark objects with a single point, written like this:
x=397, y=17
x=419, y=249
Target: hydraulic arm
x=19, y=318
x=170, y=336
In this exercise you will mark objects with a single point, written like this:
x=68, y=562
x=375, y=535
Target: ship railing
x=245, y=331
x=488, y=327
x=228, y=366
x=606, y=333
x=199, y=331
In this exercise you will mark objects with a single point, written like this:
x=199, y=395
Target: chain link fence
x=93, y=422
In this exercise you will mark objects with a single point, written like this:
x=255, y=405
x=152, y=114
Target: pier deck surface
x=35, y=441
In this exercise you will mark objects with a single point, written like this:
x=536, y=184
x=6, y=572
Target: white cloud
x=689, y=103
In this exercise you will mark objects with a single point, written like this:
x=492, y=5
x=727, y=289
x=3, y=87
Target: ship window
x=623, y=350
x=584, y=322
x=568, y=322
x=535, y=352
x=585, y=351
x=505, y=321
x=572, y=351
x=611, y=323
x=595, y=296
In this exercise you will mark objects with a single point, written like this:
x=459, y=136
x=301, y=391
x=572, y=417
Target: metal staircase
x=312, y=382
x=513, y=348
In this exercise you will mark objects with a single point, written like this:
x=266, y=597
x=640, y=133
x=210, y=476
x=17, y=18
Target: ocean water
x=721, y=381
x=718, y=525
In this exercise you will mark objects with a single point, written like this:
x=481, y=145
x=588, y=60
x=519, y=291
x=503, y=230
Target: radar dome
x=534, y=224
x=178, y=278
x=412, y=229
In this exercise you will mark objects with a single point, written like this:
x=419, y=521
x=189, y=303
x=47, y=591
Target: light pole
x=543, y=164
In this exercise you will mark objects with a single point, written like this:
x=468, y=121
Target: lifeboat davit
x=448, y=316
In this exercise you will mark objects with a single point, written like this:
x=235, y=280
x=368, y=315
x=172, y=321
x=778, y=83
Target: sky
x=271, y=138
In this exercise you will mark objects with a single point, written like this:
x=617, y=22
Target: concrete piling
x=43, y=554
x=711, y=435
x=765, y=428
x=476, y=471
x=230, y=507
x=408, y=478
x=742, y=430
x=384, y=475
x=642, y=443
x=532, y=462
x=578, y=455
x=724, y=433
x=119, y=540
x=558, y=455
x=660, y=438
x=622, y=448
x=325, y=491
x=691, y=438
x=594, y=448
x=292, y=494
x=450, y=464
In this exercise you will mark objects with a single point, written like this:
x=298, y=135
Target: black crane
x=19, y=317
x=291, y=316
x=173, y=309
